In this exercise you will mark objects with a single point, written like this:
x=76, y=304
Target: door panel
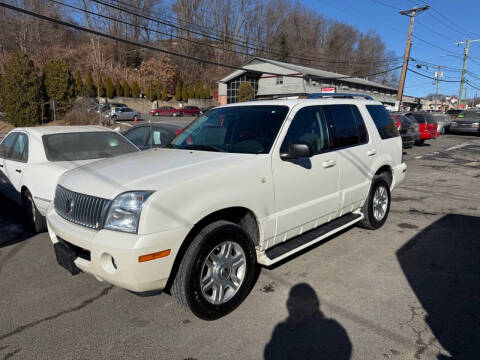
x=306, y=190
x=15, y=165
x=6, y=188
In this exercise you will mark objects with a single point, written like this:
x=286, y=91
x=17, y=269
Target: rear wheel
x=419, y=142
x=377, y=205
x=216, y=272
x=34, y=219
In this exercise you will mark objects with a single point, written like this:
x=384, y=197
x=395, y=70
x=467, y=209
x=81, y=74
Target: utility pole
x=412, y=13
x=465, y=97
x=465, y=56
x=438, y=75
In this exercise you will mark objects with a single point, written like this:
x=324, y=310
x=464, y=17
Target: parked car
x=406, y=127
x=166, y=111
x=32, y=160
x=191, y=110
x=466, y=122
x=152, y=135
x=205, y=109
x=453, y=113
x=124, y=113
x=443, y=122
x=263, y=179
x=426, y=126
x=100, y=108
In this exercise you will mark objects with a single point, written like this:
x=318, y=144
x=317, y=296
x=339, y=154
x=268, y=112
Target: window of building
x=279, y=80
x=232, y=86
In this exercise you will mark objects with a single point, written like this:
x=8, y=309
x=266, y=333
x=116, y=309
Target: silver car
x=124, y=113
x=442, y=120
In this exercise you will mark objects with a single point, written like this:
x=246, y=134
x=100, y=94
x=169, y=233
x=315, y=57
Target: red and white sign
x=328, y=90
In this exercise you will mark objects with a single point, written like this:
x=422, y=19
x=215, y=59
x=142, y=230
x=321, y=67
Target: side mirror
x=297, y=151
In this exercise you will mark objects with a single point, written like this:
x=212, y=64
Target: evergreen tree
x=151, y=92
x=118, y=88
x=101, y=87
x=178, y=92
x=158, y=90
x=207, y=91
x=110, y=89
x=198, y=91
x=135, y=90
x=245, y=92
x=191, y=92
x=184, y=93
x=202, y=92
x=284, y=51
x=58, y=80
x=89, y=86
x=127, y=91
x=21, y=91
x=79, y=89
x=164, y=93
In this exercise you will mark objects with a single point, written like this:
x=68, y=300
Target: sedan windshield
x=85, y=146
x=238, y=129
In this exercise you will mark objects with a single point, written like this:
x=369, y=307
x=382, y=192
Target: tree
x=184, y=93
x=79, y=88
x=101, y=87
x=178, y=92
x=158, y=90
x=135, y=90
x=207, y=92
x=127, y=91
x=164, y=93
x=89, y=86
x=245, y=92
x=58, y=81
x=198, y=90
x=110, y=89
x=191, y=92
x=151, y=92
x=20, y=91
x=202, y=92
x=118, y=88
x=284, y=52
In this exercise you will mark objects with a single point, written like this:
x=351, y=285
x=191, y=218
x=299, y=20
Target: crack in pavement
x=52, y=317
x=11, y=354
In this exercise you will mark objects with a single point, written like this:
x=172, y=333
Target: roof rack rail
x=338, y=95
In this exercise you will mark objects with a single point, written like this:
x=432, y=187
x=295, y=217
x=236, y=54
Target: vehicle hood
x=148, y=170
x=466, y=120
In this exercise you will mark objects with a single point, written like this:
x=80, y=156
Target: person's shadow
x=306, y=333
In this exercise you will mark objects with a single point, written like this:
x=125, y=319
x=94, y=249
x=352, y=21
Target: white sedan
x=32, y=159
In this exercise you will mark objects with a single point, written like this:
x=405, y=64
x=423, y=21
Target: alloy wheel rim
x=223, y=272
x=380, y=203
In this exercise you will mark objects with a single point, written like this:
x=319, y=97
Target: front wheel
x=216, y=272
x=35, y=220
x=377, y=206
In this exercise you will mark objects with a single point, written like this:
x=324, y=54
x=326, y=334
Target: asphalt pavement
x=410, y=290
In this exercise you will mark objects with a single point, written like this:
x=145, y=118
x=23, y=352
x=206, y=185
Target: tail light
x=399, y=125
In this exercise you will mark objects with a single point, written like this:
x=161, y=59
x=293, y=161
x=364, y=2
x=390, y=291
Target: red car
x=191, y=110
x=427, y=126
x=166, y=110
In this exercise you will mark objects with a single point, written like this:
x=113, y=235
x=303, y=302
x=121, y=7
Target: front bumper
x=125, y=270
x=464, y=129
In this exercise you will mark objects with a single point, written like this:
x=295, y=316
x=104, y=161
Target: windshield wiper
x=171, y=146
x=203, y=147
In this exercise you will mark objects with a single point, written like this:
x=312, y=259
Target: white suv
x=243, y=184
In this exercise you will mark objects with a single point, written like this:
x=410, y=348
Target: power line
x=111, y=37
x=431, y=77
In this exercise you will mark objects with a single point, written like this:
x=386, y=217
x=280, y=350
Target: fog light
x=108, y=263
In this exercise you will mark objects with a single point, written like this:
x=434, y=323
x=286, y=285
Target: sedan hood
x=148, y=170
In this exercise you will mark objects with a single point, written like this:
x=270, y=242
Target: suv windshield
x=469, y=115
x=85, y=146
x=238, y=129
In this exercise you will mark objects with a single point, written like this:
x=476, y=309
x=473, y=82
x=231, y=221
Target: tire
x=211, y=242
x=114, y=118
x=370, y=220
x=420, y=142
x=35, y=220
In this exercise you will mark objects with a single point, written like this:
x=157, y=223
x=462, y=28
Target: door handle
x=371, y=152
x=329, y=163
x=18, y=170
x=1, y=166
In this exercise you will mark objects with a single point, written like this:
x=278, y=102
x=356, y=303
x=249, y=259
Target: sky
x=446, y=22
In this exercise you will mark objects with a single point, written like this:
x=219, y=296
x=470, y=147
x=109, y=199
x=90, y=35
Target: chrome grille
x=80, y=209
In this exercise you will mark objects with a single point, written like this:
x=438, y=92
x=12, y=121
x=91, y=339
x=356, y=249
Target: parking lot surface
x=410, y=290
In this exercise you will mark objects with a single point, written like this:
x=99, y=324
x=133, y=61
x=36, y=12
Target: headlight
x=476, y=124
x=454, y=123
x=124, y=212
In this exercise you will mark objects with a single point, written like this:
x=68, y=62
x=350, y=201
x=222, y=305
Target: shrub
x=158, y=90
x=58, y=82
x=178, y=92
x=245, y=92
x=191, y=92
x=110, y=89
x=184, y=93
x=118, y=88
x=207, y=92
x=151, y=92
x=164, y=93
x=89, y=86
x=79, y=87
x=21, y=91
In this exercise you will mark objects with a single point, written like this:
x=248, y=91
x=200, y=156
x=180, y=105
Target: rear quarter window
x=385, y=125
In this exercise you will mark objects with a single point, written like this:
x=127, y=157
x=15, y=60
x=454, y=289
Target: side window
x=361, y=128
x=307, y=127
x=137, y=136
x=385, y=126
x=160, y=137
x=20, y=149
x=342, y=125
x=7, y=144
